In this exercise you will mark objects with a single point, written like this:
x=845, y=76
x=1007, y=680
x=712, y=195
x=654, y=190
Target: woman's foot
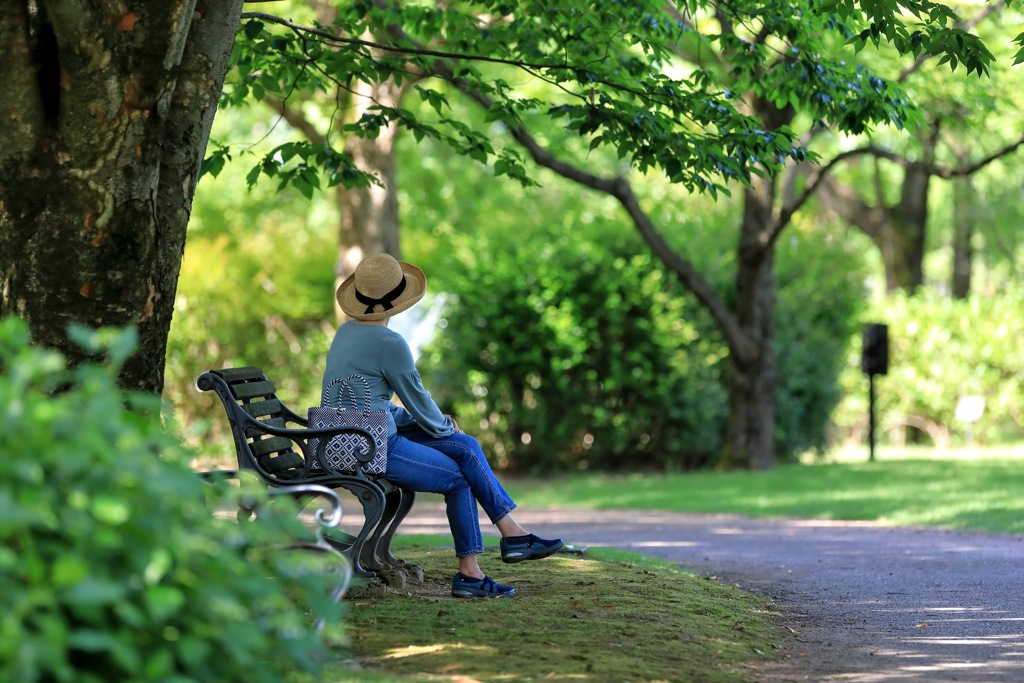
x=528, y=547
x=468, y=587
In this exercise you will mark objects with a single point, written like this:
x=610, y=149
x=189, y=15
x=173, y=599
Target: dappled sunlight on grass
x=418, y=650
x=608, y=615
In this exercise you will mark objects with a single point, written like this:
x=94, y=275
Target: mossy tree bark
x=107, y=114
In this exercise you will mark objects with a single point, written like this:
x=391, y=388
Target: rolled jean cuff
x=503, y=514
x=467, y=553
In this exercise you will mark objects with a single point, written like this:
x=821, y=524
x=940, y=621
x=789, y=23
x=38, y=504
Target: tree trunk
x=904, y=255
x=965, y=208
x=107, y=114
x=369, y=216
x=897, y=231
x=753, y=376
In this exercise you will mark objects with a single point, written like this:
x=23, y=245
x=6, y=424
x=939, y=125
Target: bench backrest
x=247, y=390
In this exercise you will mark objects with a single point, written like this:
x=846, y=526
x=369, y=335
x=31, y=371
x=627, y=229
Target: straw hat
x=381, y=287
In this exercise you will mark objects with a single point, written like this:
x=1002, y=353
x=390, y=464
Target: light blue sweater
x=383, y=358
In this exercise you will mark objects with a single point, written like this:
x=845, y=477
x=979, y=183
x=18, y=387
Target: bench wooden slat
x=249, y=390
x=260, y=409
x=254, y=432
x=275, y=454
x=282, y=463
x=272, y=444
x=239, y=374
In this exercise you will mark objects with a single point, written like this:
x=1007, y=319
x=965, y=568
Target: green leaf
x=252, y=28
x=163, y=602
x=214, y=163
x=253, y=175
x=110, y=510
x=92, y=591
x=68, y=570
x=90, y=640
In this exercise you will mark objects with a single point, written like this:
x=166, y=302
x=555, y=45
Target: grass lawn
x=606, y=616
x=614, y=616
x=983, y=492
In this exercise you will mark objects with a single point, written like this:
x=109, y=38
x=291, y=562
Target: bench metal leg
x=371, y=498
x=376, y=553
x=401, y=502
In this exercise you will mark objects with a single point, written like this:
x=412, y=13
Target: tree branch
x=619, y=188
x=788, y=209
x=978, y=165
x=654, y=95
x=296, y=119
x=785, y=213
x=622, y=191
x=417, y=51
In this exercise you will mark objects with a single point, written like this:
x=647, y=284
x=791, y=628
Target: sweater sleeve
x=401, y=373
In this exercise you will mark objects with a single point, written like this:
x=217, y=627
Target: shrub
x=569, y=355
x=819, y=301
x=255, y=288
x=112, y=566
x=579, y=350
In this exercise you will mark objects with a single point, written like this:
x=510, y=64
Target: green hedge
x=566, y=352
x=112, y=565
x=568, y=355
x=274, y=313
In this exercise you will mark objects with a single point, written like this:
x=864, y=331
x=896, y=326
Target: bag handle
x=326, y=398
x=346, y=387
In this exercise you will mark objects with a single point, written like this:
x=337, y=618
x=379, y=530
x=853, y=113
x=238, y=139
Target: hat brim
x=415, y=288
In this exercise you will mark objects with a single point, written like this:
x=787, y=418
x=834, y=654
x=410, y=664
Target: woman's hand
x=455, y=425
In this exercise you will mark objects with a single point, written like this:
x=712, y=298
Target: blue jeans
x=456, y=467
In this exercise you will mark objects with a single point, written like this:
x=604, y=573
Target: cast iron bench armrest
x=302, y=436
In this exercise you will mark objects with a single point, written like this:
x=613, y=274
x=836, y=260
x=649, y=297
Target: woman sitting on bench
x=426, y=449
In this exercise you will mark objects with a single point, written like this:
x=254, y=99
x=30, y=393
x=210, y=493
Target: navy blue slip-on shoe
x=467, y=587
x=529, y=547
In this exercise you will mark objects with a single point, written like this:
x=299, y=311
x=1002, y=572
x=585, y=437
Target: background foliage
x=547, y=265
x=255, y=289
x=543, y=264
x=941, y=350
x=112, y=565
x=567, y=345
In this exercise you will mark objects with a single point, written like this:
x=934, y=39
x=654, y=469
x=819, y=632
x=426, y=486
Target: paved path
x=864, y=603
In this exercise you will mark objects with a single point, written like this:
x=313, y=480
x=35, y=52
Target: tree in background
x=568, y=345
x=897, y=223
x=616, y=79
x=368, y=211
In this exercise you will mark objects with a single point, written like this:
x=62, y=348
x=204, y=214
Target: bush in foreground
x=112, y=566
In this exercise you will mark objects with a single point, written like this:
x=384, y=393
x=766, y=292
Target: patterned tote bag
x=339, y=455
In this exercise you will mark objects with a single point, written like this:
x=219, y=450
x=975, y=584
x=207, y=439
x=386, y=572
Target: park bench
x=281, y=457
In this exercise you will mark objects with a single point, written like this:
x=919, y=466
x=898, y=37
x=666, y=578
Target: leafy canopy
x=667, y=86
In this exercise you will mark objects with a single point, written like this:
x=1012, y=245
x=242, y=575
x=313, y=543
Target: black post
x=871, y=417
x=874, y=360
